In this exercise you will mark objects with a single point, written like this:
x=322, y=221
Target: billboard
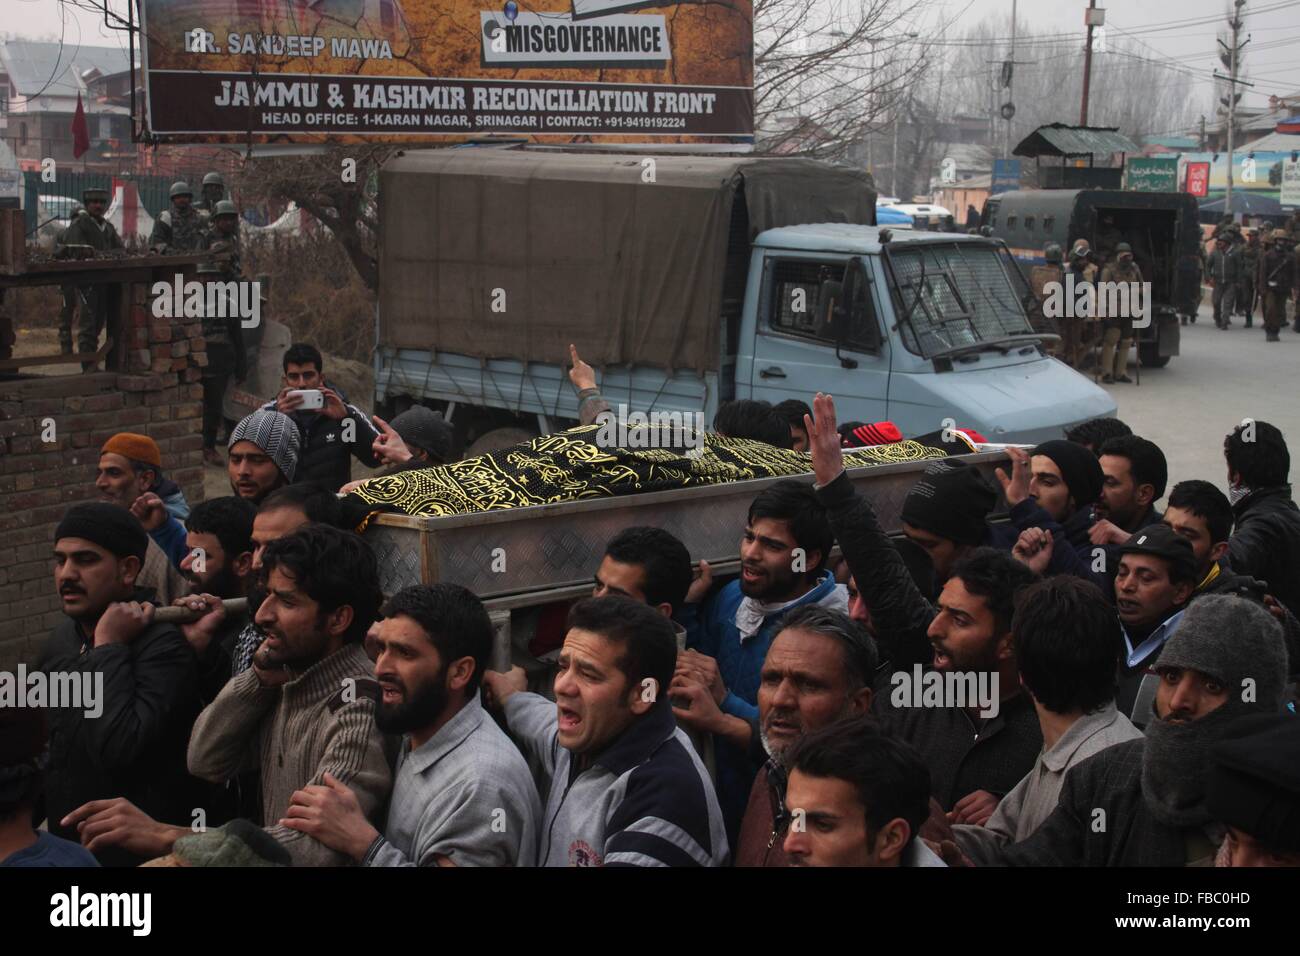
x=350, y=71
x=1198, y=179
x=1156, y=174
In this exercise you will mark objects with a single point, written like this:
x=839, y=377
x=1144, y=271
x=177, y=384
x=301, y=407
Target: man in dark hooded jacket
x=1143, y=803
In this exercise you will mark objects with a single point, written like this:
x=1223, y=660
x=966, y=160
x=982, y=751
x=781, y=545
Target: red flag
x=80, y=132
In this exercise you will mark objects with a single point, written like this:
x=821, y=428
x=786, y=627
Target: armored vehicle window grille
x=1049, y=223
x=966, y=297
x=1029, y=222
x=1011, y=221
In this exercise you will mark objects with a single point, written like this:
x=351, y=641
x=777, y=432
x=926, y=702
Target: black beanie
x=1079, y=468
x=112, y=528
x=952, y=499
x=1254, y=782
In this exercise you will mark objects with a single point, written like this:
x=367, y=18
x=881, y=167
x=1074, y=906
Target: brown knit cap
x=133, y=446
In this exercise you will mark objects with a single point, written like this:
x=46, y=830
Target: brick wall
x=159, y=396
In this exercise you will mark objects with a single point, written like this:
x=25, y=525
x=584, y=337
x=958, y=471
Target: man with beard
x=1052, y=492
x=283, y=512
x=219, y=566
x=462, y=793
x=857, y=798
x=818, y=670
x=129, y=475
x=1136, y=474
x=783, y=567
x=625, y=787
x=262, y=454
x=130, y=738
x=973, y=760
x=1155, y=580
x=1143, y=802
x=1065, y=632
x=306, y=708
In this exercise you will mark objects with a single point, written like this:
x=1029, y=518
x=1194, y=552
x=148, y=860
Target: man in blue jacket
x=783, y=566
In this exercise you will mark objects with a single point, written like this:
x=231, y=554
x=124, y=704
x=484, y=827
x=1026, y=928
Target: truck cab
x=927, y=330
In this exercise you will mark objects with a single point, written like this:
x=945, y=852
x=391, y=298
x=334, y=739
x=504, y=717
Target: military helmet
x=1281, y=235
x=1122, y=248
x=214, y=179
x=1052, y=253
x=224, y=207
x=180, y=188
x=94, y=192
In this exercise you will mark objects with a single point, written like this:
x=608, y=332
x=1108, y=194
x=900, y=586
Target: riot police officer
x=214, y=190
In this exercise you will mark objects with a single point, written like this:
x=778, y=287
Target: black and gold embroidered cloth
x=568, y=466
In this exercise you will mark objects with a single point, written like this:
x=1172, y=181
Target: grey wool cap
x=274, y=433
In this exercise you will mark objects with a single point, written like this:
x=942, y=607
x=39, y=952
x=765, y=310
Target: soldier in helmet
x=178, y=229
x=227, y=356
x=1277, y=276
x=93, y=230
x=68, y=314
x=223, y=236
x=1117, y=338
x=214, y=190
x=1042, y=280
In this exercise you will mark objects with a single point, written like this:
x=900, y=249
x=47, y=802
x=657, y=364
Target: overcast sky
x=1168, y=30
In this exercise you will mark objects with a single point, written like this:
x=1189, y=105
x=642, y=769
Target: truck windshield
x=951, y=295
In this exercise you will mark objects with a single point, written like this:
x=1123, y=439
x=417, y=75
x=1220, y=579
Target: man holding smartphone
x=332, y=431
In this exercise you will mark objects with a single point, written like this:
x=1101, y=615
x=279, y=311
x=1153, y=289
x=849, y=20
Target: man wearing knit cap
x=1051, y=492
x=945, y=513
x=1144, y=802
x=417, y=438
x=1254, y=791
x=262, y=454
x=130, y=476
x=131, y=739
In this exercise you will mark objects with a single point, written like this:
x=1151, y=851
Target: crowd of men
x=981, y=690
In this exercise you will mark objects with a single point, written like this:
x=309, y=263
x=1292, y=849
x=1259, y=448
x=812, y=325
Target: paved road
x=1220, y=378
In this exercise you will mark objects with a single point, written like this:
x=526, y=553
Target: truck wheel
x=497, y=439
x=1151, y=358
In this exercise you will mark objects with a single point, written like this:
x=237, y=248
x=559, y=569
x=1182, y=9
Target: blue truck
x=688, y=281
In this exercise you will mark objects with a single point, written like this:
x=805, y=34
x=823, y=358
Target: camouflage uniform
x=1118, y=336
x=174, y=231
x=227, y=356
x=1277, y=271
x=85, y=230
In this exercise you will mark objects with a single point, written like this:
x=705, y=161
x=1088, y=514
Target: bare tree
x=1133, y=88
x=826, y=71
x=334, y=191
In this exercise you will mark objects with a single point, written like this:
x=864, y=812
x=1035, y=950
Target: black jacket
x=961, y=759
x=323, y=454
x=1103, y=820
x=1265, y=543
x=136, y=747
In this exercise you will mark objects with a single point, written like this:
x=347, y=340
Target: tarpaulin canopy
x=513, y=254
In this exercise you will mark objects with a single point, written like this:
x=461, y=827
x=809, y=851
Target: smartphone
x=311, y=397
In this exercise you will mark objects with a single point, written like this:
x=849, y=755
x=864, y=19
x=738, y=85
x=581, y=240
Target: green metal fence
x=153, y=191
